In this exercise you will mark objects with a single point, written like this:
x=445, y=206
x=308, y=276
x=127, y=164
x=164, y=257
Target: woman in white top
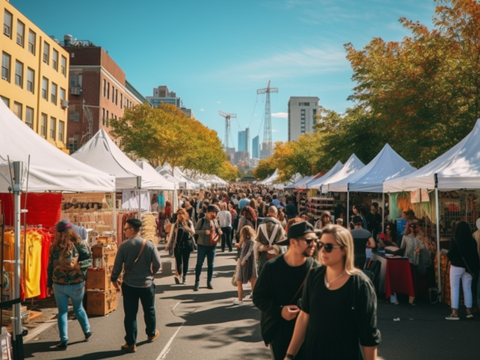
x=225, y=220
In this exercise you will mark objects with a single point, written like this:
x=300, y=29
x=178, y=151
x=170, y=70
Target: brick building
x=99, y=91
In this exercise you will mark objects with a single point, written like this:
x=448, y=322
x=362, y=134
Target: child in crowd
x=246, y=270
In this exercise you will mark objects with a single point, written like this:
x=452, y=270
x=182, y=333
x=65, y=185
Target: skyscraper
x=244, y=140
x=256, y=147
x=302, y=112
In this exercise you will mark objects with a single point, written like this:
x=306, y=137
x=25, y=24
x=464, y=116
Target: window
x=105, y=120
x=30, y=80
x=19, y=74
x=17, y=109
x=20, y=33
x=304, y=104
x=53, y=127
x=62, y=94
x=53, y=94
x=63, y=65
x=43, y=125
x=32, y=39
x=61, y=129
x=103, y=116
x=121, y=101
x=74, y=117
x=55, y=59
x=108, y=90
x=44, y=88
x=7, y=24
x=29, y=117
x=5, y=100
x=46, y=53
x=73, y=143
x=104, y=88
x=113, y=94
x=6, y=59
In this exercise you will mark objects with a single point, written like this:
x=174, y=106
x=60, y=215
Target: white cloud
x=274, y=130
x=282, y=115
x=202, y=109
x=293, y=64
x=219, y=102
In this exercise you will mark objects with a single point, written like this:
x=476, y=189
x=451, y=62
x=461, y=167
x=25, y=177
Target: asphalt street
x=206, y=325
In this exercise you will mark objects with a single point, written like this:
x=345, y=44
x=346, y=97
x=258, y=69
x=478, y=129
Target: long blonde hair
x=247, y=232
x=344, y=238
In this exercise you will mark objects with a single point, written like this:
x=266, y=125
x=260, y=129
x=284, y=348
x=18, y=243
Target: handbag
x=167, y=226
x=234, y=278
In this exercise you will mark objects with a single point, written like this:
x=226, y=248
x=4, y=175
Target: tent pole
x=383, y=212
x=114, y=214
x=348, y=209
x=139, y=187
x=437, y=208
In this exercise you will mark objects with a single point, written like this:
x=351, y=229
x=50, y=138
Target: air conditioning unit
x=64, y=104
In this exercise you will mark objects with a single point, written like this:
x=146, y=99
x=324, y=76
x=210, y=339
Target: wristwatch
x=289, y=356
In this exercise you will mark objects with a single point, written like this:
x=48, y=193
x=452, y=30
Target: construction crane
x=267, y=145
x=227, y=127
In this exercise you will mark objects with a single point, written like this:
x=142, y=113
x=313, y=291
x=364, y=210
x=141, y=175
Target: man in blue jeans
x=209, y=232
x=140, y=260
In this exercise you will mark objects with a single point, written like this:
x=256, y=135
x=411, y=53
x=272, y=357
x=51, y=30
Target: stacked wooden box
x=101, y=294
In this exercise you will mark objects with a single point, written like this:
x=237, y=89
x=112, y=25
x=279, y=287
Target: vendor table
x=395, y=275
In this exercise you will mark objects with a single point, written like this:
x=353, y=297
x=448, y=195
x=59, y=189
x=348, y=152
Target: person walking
x=209, y=232
x=225, y=220
x=280, y=285
x=464, y=266
x=338, y=305
x=246, y=270
x=181, y=240
x=70, y=257
x=363, y=240
x=140, y=261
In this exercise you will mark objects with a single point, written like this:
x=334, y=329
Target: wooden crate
x=98, y=280
x=101, y=302
x=106, y=253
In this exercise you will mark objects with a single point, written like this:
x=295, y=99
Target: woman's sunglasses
x=328, y=247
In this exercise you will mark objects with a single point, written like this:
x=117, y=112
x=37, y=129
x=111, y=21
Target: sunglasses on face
x=388, y=229
x=328, y=247
x=309, y=240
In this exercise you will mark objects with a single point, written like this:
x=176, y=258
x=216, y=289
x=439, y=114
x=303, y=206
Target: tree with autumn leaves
x=166, y=134
x=420, y=95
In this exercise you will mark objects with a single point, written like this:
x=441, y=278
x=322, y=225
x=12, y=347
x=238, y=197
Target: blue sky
x=215, y=54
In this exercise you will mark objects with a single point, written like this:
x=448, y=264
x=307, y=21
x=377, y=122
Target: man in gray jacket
x=209, y=232
x=140, y=260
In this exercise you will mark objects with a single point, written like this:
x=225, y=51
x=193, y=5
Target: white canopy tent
x=271, y=179
x=169, y=185
x=180, y=184
x=458, y=168
x=352, y=165
x=50, y=168
x=190, y=184
x=385, y=166
x=102, y=153
x=301, y=181
x=317, y=183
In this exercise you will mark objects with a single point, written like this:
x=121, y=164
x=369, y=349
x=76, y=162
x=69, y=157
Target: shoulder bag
x=127, y=271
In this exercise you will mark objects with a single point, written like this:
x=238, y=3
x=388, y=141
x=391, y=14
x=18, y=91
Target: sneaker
x=88, y=335
x=469, y=316
x=62, y=345
x=195, y=288
x=177, y=280
x=452, y=317
x=209, y=286
x=152, y=338
x=129, y=348
x=184, y=281
x=238, y=302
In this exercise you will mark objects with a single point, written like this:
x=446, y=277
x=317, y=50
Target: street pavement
x=206, y=325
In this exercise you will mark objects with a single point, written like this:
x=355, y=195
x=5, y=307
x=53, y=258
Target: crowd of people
x=307, y=276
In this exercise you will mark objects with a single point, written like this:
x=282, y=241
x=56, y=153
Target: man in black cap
x=209, y=232
x=279, y=287
x=140, y=261
x=362, y=239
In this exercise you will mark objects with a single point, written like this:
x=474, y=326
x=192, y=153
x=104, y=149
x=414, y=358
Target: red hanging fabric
x=43, y=209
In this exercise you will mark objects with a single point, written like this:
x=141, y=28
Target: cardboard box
x=106, y=254
x=99, y=279
x=101, y=302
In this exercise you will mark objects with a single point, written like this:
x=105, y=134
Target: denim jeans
x=75, y=292
x=182, y=257
x=131, y=295
x=209, y=252
x=227, y=238
x=457, y=273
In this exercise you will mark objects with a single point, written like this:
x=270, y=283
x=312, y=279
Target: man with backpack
x=269, y=234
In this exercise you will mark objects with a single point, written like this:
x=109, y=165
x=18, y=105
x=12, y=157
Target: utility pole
x=267, y=145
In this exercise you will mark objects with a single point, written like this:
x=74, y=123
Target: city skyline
x=214, y=61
